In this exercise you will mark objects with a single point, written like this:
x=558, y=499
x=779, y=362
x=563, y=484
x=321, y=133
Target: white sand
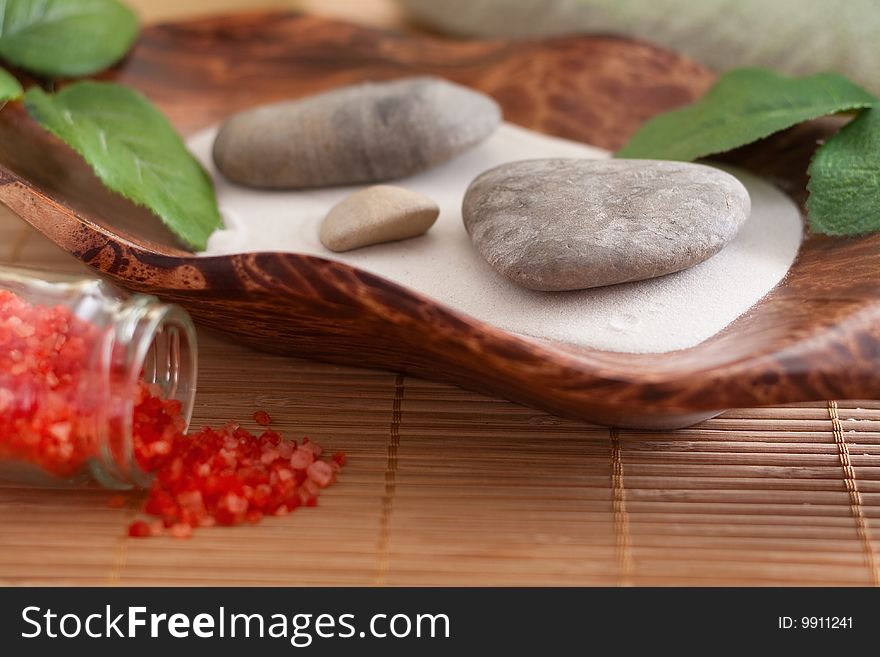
x=664, y=314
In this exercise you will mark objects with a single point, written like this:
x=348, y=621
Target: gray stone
x=564, y=224
x=363, y=133
x=382, y=213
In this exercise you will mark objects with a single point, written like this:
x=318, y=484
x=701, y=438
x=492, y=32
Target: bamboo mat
x=448, y=487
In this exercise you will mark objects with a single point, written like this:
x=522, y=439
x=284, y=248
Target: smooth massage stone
x=377, y=214
x=565, y=224
x=363, y=133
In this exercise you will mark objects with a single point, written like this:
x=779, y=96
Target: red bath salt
x=49, y=413
x=225, y=476
x=45, y=419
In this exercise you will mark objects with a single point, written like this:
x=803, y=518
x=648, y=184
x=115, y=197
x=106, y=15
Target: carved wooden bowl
x=816, y=336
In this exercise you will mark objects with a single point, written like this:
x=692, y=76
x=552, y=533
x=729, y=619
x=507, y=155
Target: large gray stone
x=363, y=133
x=564, y=224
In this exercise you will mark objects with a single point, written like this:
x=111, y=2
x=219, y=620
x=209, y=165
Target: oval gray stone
x=362, y=133
x=568, y=224
x=377, y=214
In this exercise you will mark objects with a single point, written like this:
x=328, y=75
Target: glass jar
x=76, y=358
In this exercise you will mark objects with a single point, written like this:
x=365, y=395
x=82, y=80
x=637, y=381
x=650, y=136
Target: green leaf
x=61, y=38
x=845, y=180
x=10, y=89
x=135, y=152
x=743, y=106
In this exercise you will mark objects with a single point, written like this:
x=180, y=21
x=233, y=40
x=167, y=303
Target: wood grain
x=817, y=336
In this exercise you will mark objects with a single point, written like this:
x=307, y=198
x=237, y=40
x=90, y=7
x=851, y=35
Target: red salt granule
x=262, y=418
x=116, y=502
x=181, y=530
x=139, y=529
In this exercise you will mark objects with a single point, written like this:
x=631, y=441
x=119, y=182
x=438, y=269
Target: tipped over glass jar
x=90, y=380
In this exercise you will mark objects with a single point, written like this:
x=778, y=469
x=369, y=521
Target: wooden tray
x=817, y=336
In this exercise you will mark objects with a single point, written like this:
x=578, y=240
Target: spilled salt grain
x=664, y=314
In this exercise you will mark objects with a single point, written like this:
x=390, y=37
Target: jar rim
x=146, y=325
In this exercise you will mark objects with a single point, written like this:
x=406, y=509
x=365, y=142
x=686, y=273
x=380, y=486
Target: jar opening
x=152, y=344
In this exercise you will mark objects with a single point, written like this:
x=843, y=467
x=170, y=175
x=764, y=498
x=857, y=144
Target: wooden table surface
x=450, y=487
